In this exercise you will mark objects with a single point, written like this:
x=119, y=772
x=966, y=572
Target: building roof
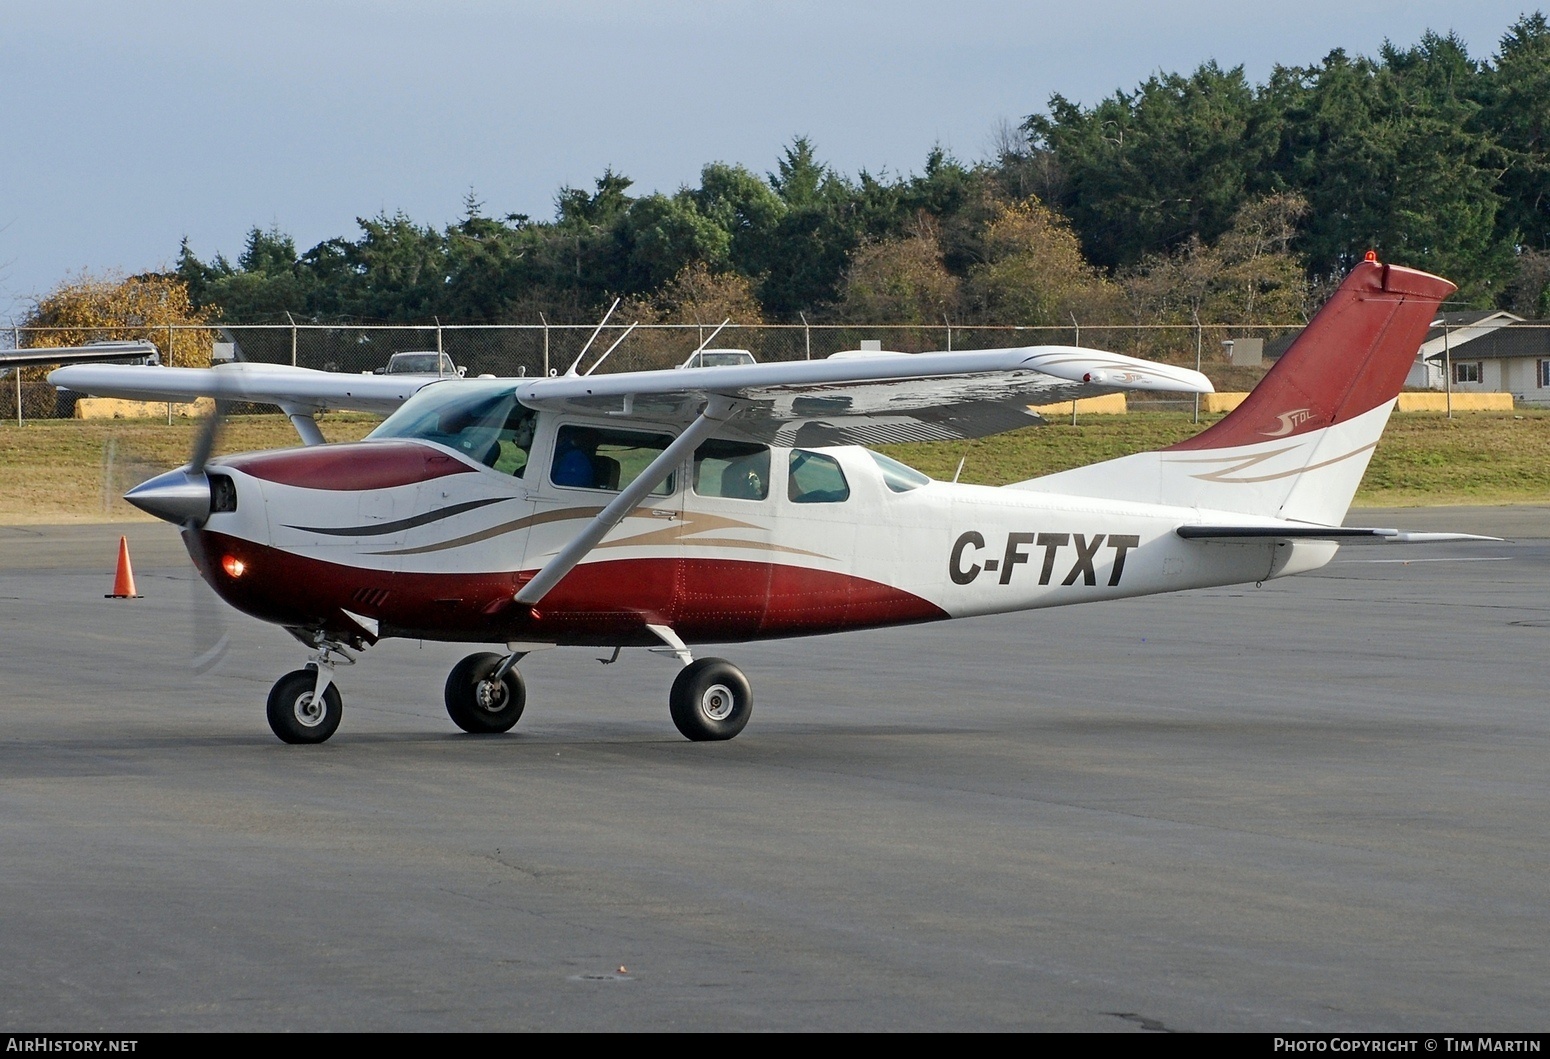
x=1518, y=338
x=1477, y=335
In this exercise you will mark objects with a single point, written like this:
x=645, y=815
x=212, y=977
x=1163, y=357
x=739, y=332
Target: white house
x=1513, y=357
x=1446, y=341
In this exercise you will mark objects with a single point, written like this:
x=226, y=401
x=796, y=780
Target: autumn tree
x=900, y=281
x=1034, y=272
x=696, y=296
x=98, y=308
x=1250, y=275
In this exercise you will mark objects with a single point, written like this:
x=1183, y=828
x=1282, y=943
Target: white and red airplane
x=723, y=504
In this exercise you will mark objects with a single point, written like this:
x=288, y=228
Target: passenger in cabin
x=574, y=458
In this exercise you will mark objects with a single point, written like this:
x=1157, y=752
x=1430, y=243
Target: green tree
x=802, y=262
x=745, y=206
x=268, y=281
x=1517, y=113
x=661, y=236
x=489, y=265
x=1143, y=172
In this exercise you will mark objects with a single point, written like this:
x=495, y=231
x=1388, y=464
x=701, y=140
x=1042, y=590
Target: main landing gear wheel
x=296, y=716
x=711, y=699
x=481, y=704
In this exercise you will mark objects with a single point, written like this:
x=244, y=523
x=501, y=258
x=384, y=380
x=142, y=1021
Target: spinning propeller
x=186, y=497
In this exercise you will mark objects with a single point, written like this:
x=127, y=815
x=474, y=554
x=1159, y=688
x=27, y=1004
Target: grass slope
x=54, y=471
x=1423, y=459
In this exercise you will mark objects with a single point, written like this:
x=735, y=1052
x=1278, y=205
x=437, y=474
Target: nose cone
x=177, y=496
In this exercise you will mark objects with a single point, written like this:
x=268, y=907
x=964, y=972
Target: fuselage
x=403, y=536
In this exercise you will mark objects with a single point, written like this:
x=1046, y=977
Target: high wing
x=865, y=398
x=301, y=393
x=281, y=384
x=869, y=398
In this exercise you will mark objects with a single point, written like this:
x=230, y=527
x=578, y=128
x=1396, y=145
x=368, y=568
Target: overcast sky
x=125, y=126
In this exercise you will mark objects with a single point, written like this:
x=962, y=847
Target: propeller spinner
x=184, y=497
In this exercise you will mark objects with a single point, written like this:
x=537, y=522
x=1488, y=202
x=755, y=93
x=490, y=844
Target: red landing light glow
x=233, y=566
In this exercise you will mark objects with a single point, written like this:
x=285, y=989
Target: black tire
x=711, y=699
x=480, y=705
x=292, y=713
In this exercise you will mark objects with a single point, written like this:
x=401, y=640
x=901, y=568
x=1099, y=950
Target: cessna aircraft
x=721, y=504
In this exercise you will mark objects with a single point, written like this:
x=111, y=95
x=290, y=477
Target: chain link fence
x=542, y=349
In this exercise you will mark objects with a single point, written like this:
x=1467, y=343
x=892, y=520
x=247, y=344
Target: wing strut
x=305, y=422
x=717, y=410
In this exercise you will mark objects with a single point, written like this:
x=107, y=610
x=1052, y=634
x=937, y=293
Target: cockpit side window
x=814, y=478
x=515, y=441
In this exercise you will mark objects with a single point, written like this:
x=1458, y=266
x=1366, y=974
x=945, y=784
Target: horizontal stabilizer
x=1350, y=534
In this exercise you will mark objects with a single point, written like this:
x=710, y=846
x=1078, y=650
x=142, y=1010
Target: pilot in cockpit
x=516, y=441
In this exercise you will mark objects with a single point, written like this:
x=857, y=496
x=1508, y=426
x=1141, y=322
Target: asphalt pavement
x=1320, y=804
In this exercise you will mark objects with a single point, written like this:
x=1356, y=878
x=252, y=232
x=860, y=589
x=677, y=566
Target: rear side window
x=814, y=478
x=599, y=458
x=735, y=469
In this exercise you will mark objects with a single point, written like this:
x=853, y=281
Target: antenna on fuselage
x=961, y=462
x=613, y=347
x=601, y=324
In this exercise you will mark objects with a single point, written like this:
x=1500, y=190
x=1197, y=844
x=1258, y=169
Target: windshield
x=487, y=425
x=900, y=477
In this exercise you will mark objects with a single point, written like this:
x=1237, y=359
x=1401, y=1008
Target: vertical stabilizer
x=1297, y=447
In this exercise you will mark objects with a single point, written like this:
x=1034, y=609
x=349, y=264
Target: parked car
x=718, y=358
x=420, y=362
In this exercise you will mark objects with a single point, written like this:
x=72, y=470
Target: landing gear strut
x=711, y=699
x=485, y=693
x=304, y=705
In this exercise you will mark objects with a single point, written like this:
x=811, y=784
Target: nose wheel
x=298, y=714
x=485, y=694
x=711, y=699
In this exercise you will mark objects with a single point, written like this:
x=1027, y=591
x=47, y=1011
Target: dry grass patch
x=67, y=470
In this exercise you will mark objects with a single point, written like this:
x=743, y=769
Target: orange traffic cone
x=124, y=580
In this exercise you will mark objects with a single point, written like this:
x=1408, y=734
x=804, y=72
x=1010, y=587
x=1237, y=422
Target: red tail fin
x=1297, y=446
x=1352, y=358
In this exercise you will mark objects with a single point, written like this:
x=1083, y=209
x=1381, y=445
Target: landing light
x=233, y=566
